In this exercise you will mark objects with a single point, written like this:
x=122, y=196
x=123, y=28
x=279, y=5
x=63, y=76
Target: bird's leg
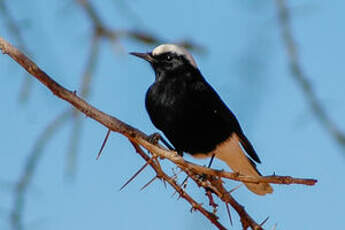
x=155, y=137
x=167, y=144
x=203, y=176
x=210, y=163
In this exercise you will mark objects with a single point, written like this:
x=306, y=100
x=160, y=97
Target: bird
x=193, y=117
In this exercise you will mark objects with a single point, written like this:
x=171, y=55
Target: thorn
x=234, y=189
x=165, y=183
x=148, y=183
x=228, y=210
x=173, y=194
x=135, y=174
x=184, y=186
x=265, y=220
x=184, y=182
x=103, y=144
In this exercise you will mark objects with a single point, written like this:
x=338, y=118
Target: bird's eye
x=168, y=57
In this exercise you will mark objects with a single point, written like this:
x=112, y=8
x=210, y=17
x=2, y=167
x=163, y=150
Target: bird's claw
x=154, y=138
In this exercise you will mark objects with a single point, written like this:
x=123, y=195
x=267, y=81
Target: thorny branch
x=213, y=179
x=163, y=176
x=301, y=77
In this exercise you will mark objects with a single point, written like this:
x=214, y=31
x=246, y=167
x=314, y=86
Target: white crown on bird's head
x=172, y=48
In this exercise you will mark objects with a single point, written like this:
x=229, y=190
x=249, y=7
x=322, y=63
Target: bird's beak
x=146, y=56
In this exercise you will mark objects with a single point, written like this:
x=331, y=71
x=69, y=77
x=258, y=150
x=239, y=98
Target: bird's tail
x=231, y=153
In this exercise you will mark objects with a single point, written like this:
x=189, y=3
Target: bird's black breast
x=190, y=113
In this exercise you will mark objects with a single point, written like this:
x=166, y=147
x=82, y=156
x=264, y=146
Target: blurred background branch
x=301, y=78
x=15, y=31
x=30, y=167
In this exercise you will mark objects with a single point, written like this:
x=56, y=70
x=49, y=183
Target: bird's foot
x=154, y=138
x=203, y=176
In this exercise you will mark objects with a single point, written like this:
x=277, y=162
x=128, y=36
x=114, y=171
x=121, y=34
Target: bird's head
x=168, y=59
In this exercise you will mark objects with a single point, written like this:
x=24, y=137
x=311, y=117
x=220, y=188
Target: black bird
x=192, y=115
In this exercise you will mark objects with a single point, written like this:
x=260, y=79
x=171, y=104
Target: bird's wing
x=230, y=150
x=212, y=103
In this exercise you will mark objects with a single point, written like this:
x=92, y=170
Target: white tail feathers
x=231, y=153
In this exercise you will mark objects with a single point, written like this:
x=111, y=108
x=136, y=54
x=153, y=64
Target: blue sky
x=245, y=62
